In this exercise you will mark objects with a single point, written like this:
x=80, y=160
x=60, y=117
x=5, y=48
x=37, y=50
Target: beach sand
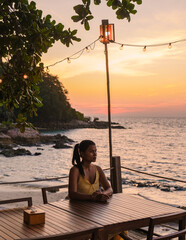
x=12, y=192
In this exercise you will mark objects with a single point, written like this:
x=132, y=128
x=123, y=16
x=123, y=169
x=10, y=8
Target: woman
x=85, y=177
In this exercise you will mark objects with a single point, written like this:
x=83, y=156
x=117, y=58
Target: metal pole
x=108, y=97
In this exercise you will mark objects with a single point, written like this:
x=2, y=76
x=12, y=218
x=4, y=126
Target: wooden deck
x=122, y=212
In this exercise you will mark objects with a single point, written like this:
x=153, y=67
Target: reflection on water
x=152, y=145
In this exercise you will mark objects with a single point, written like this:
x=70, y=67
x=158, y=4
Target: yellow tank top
x=84, y=186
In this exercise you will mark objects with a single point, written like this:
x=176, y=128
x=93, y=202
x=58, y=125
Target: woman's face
x=90, y=154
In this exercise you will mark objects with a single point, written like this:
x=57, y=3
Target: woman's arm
x=104, y=182
x=72, y=187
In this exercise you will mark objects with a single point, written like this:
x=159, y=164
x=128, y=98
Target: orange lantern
x=107, y=32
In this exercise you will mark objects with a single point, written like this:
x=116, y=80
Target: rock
x=8, y=152
x=5, y=146
x=49, y=139
x=77, y=124
x=29, y=137
x=165, y=189
x=37, y=153
x=17, y=152
x=118, y=127
x=60, y=144
x=5, y=139
x=140, y=184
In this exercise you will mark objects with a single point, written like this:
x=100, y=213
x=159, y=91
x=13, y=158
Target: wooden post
x=115, y=178
x=108, y=100
x=43, y=190
x=182, y=224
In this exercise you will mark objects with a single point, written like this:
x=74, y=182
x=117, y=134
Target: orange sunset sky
x=151, y=83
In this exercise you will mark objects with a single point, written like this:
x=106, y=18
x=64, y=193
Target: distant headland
x=11, y=137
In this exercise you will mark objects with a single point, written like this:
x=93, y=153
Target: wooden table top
x=57, y=222
x=121, y=212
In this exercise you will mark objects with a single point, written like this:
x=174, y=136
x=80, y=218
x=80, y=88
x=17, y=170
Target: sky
x=145, y=84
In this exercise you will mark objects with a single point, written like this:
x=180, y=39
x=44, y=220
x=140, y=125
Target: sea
x=149, y=145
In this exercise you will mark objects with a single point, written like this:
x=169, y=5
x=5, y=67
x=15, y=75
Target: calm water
x=152, y=145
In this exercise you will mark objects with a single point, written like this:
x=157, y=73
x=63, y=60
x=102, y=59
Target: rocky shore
x=76, y=124
x=11, y=139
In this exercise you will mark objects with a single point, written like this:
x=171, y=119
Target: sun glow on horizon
x=151, y=82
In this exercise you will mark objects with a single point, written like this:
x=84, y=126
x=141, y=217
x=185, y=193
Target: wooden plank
x=68, y=217
x=4, y=234
x=16, y=220
x=14, y=233
x=97, y=213
x=97, y=208
x=144, y=202
x=47, y=228
x=43, y=230
x=28, y=232
x=40, y=229
x=57, y=222
x=121, y=212
x=149, y=210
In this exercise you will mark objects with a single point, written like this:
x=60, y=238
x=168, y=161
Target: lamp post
x=106, y=36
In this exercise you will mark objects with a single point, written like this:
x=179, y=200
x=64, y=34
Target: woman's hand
x=100, y=196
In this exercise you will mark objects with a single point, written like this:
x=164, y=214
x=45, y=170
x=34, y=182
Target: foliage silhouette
x=24, y=36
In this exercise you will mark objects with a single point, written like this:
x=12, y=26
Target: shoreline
x=11, y=137
x=75, y=124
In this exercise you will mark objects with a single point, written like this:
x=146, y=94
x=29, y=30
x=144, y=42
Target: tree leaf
x=76, y=18
x=79, y=8
x=89, y=17
x=86, y=25
x=109, y=3
x=97, y=2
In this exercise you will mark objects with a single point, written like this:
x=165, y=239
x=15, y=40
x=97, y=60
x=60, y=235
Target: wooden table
x=57, y=223
x=122, y=212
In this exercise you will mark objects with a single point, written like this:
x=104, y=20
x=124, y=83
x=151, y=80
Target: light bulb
x=87, y=49
x=68, y=60
x=1, y=81
x=25, y=76
x=121, y=47
x=145, y=48
x=170, y=46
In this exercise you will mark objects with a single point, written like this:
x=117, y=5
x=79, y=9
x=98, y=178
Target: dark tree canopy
x=24, y=35
x=56, y=106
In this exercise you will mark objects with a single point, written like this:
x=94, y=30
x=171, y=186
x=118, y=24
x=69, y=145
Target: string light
x=68, y=60
x=80, y=52
x=87, y=49
x=25, y=76
x=151, y=45
x=1, y=81
x=92, y=46
x=170, y=46
x=121, y=47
